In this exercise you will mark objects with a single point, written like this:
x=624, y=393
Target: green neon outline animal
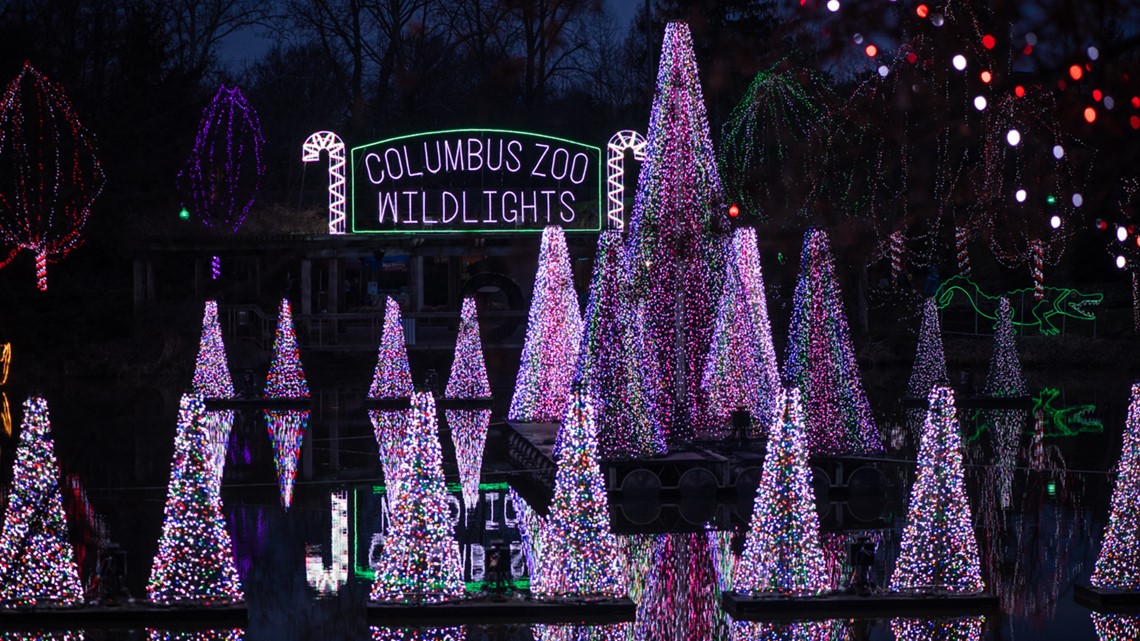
x=1067, y=421
x=1061, y=301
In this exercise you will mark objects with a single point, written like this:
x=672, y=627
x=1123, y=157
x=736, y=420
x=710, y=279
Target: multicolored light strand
x=37, y=564
x=1118, y=564
x=195, y=562
x=939, y=551
x=212, y=380
x=782, y=552
x=581, y=557
x=673, y=254
x=286, y=377
x=468, y=380
x=961, y=629
x=49, y=173
x=611, y=363
x=610, y=632
x=392, y=378
x=421, y=560
x=553, y=335
x=741, y=369
x=821, y=359
x=311, y=152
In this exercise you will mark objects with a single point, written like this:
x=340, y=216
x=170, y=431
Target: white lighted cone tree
x=782, y=552
x=553, y=335
x=421, y=555
x=212, y=380
x=1006, y=380
x=1118, y=564
x=37, y=564
x=580, y=554
x=391, y=379
x=741, y=369
x=939, y=551
x=195, y=562
x=468, y=380
x=929, y=365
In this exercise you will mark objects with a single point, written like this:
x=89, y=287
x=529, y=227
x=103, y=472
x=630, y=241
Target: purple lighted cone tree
x=929, y=365
x=195, y=562
x=1118, y=565
x=37, y=564
x=782, y=552
x=421, y=556
x=49, y=174
x=1006, y=380
x=741, y=369
x=939, y=550
x=611, y=363
x=553, y=335
x=223, y=174
x=286, y=380
x=821, y=359
x=580, y=555
x=392, y=378
x=212, y=380
x=468, y=381
x=673, y=255
x=680, y=598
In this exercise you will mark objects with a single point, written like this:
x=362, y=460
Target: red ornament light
x=1097, y=95
x=1019, y=91
x=987, y=77
x=1136, y=102
x=1075, y=72
x=733, y=211
x=988, y=41
x=912, y=57
x=1027, y=50
x=1090, y=114
x=872, y=51
x=922, y=10
x=1135, y=122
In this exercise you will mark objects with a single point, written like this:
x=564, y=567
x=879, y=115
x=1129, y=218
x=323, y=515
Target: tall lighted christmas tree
x=195, y=562
x=1118, y=565
x=392, y=378
x=821, y=359
x=212, y=380
x=553, y=335
x=929, y=365
x=741, y=369
x=939, y=550
x=673, y=254
x=680, y=599
x=580, y=555
x=421, y=556
x=1006, y=380
x=37, y=564
x=286, y=380
x=782, y=552
x=468, y=381
x=612, y=364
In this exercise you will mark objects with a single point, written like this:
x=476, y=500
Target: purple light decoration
x=929, y=365
x=612, y=364
x=821, y=359
x=212, y=380
x=392, y=378
x=468, y=381
x=1118, y=564
x=741, y=369
x=680, y=598
x=673, y=256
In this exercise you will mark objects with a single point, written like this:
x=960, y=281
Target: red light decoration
x=1019, y=91
x=912, y=57
x=1028, y=50
x=872, y=51
x=987, y=77
x=1134, y=121
x=1075, y=72
x=1090, y=114
x=1097, y=95
x=988, y=41
x=1136, y=102
x=922, y=10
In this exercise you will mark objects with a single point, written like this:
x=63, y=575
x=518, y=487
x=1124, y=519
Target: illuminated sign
x=483, y=180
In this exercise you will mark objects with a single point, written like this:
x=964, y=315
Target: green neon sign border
x=352, y=180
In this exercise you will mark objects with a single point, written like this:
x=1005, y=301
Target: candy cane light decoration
x=615, y=172
x=311, y=152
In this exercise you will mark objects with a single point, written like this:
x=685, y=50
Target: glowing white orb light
x=883, y=71
x=1058, y=152
x=959, y=62
x=833, y=5
x=937, y=19
x=1055, y=221
x=1109, y=103
x=1121, y=234
x=979, y=102
x=1013, y=137
x=1078, y=200
x=1020, y=195
x=1120, y=262
x=1094, y=53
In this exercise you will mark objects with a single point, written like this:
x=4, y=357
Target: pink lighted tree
x=1118, y=564
x=286, y=380
x=212, y=380
x=49, y=173
x=392, y=378
x=468, y=381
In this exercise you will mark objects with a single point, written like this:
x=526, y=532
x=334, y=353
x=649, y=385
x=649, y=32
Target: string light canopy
x=1118, y=564
x=49, y=171
x=37, y=564
x=673, y=252
x=468, y=380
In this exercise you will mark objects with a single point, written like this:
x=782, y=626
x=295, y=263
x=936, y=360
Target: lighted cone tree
x=680, y=598
x=782, y=552
x=1116, y=627
x=580, y=555
x=821, y=359
x=939, y=551
x=286, y=380
x=392, y=378
x=49, y=173
x=37, y=564
x=611, y=632
x=929, y=365
x=960, y=629
x=673, y=254
x=611, y=364
x=831, y=630
x=553, y=335
x=1006, y=380
x=741, y=369
x=195, y=562
x=1118, y=565
x=468, y=380
x=223, y=173
x=380, y=633
x=212, y=380
x=421, y=556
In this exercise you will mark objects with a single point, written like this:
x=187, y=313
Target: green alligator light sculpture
x=1058, y=301
x=1055, y=421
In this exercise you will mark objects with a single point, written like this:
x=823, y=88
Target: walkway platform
x=134, y=615
x=841, y=606
x=1107, y=599
x=504, y=610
